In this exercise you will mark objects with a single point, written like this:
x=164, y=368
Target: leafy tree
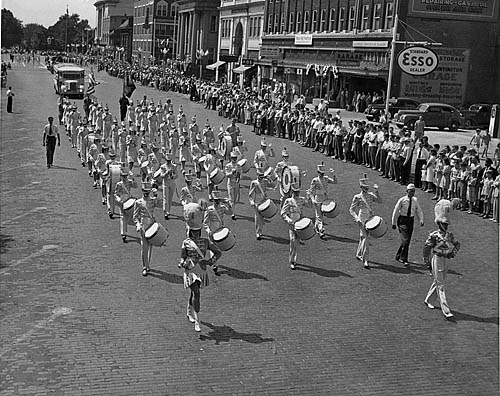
x=12, y=29
x=35, y=36
x=69, y=29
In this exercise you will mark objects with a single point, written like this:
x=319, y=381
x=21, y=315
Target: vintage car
x=374, y=110
x=438, y=115
x=477, y=115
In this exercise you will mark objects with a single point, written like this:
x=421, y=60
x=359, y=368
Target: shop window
x=377, y=16
x=365, y=17
x=342, y=19
x=306, y=21
x=332, y=27
x=322, y=26
x=389, y=16
x=314, y=21
x=352, y=18
x=298, y=25
x=291, y=22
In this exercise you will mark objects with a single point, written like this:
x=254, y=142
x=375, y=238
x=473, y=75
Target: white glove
x=138, y=227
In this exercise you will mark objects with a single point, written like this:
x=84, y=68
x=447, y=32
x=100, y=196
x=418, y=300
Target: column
x=180, y=35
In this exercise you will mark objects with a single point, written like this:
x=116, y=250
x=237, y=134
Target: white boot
x=189, y=313
x=196, y=322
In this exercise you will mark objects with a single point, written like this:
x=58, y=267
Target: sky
x=47, y=12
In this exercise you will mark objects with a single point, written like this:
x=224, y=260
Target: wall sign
x=478, y=10
x=417, y=60
x=303, y=39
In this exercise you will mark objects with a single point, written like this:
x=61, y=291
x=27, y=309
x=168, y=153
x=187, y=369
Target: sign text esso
x=418, y=61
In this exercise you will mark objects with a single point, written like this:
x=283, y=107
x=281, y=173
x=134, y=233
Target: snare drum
x=224, y=239
x=329, y=209
x=226, y=145
x=376, y=227
x=289, y=175
x=304, y=228
x=245, y=165
x=156, y=234
x=216, y=176
x=267, y=209
x=128, y=210
x=114, y=173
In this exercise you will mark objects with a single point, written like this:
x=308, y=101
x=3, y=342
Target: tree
x=12, y=29
x=69, y=29
x=35, y=36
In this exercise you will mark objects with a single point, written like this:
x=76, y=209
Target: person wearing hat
x=143, y=218
x=403, y=215
x=123, y=191
x=114, y=135
x=50, y=132
x=153, y=123
x=278, y=170
x=143, y=120
x=362, y=211
x=99, y=121
x=404, y=163
x=208, y=134
x=92, y=156
x=193, y=130
x=319, y=193
x=181, y=120
x=132, y=143
x=124, y=103
x=74, y=122
x=234, y=131
x=233, y=173
x=196, y=253
x=168, y=175
x=188, y=192
x=101, y=175
x=257, y=194
x=439, y=247
x=121, y=144
x=197, y=151
x=110, y=194
x=261, y=156
x=291, y=211
x=81, y=136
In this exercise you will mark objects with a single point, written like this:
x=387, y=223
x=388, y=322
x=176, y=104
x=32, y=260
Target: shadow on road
x=281, y=241
x=238, y=274
x=321, y=271
x=62, y=167
x=245, y=218
x=330, y=237
x=460, y=316
x=225, y=334
x=395, y=269
x=165, y=276
x=5, y=241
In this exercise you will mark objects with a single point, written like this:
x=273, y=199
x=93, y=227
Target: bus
x=69, y=80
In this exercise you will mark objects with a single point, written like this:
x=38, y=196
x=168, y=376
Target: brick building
x=110, y=14
x=323, y=47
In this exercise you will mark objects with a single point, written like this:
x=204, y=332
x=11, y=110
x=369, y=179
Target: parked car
x=438, y=115
x=374, y=110
x=477, y=115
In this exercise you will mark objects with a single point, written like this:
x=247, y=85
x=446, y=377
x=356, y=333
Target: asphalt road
x=77, y=316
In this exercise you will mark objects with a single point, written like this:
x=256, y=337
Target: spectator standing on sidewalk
x=50, y=133
x=476, y=139
x=10, y=98
x=419, y=129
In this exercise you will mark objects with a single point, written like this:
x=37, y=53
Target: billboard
x=446, y=84
x=471, y=10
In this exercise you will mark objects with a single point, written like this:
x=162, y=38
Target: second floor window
x=270, y=23
x=377, y=16
x=332, y=26
x=298, y=25
x=283, y=27
x=352, y=18
x=323, y=26
x=314, y=21
x=342, y=19
x=213, y=23
x=291, y=22
x=389, y=16
x=365, y=17
x=306, y=21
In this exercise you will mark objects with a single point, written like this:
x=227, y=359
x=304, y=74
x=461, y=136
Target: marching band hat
x=263, y=143
x=147, y=187
x=168, y=156
x=198, y=138
x=234, y=154
x=363, y=182
x=284, y=152
x=188, y=176
x=239, y=139
x=112, y=154
x=410, y=186
x=321, y=168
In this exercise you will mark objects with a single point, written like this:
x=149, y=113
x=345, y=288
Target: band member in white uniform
x=123, y=191
x=233, y=174
x=257, y=194
x=278, y=170
x=110, y=195
x=319, y=193
x=168, y=176
x=261, y=157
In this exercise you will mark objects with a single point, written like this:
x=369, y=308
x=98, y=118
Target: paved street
x=78, y=318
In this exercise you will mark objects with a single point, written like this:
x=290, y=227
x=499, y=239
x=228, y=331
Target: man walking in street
x=50, y=133
x=403, y=216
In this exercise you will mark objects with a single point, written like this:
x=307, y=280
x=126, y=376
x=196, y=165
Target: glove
x=393, y=227
x=138, y=227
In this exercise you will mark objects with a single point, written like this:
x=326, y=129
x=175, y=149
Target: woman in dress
x=196, y=254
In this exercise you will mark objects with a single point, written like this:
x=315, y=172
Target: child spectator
x=486, y=139
x=430, y=167
x=495, y=197
x=438, y=175
x=486, y=193
x=462, y=185
x=454, y=177
x=472, y=190
x=445, y=180
x=476, y=139
x=496, y=156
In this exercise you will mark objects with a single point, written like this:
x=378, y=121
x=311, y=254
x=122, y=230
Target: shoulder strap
x=195, y=247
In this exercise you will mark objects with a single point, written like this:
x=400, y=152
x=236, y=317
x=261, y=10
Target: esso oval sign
x=418, y=61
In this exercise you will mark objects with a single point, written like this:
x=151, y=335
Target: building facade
x=110, y=14
x=153, y=31
x=198, y=23
x=327, y=48
x=240, y=32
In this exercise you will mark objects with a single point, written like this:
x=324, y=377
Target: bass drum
x=304, y=229
x=267, y=209
x=226, y=145
x=224, y=239
x=376, y=227
x=156, y=234
x=245, y=165
x=289, y=175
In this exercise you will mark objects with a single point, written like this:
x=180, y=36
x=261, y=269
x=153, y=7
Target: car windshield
x=474, y=107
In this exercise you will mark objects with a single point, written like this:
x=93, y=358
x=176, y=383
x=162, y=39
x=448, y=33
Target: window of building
x=270, y=23
x=342, y=19
x=276, y=23
x=377, y=16
x=331, y=26
x=306, y=21
x=352, y=18
x=389, y=16
x=162, y=9
x=291, y=22
x=298, y=25
x=283, y=21
x=173, y=10
x=213, y=23
x=365, y=17
x=314, y=21
x=323, y=26
x=259, y=26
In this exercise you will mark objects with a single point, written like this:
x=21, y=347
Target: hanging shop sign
x=247, y=61
x=417, y=60
x=303, y=39
x=446, y=84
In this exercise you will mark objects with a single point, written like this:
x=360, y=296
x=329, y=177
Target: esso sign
x=418, y=61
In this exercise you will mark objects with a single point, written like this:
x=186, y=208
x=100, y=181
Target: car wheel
x=468, y=123
x=454, y=126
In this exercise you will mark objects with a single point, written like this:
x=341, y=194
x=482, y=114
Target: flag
x=92, y=83
x=128, y=86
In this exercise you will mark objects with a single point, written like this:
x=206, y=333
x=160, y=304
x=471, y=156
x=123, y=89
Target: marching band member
x=132, y=142
x=143, y=218
x=74, y=121
x=197, y=151
x=319, y=193
x=278, y=170
x=130, y=112
x=152, y=123
x=152, y=165
x=258, y=190
x=195, y=256
x=114, y=134
x=188, y=192
x=173, y=141
x=208, y=134
x=185, y=153
x=122, y=193
x=168, y=175
x=107, y=121
x=233, y=174
x=81, y=139
x=143, y=121
x=194, y=130
x=261, y=157
x=361, y=211
x=164, y=135
x=94, y=140
x=110, y=195
x=210, y=164
x=240, y=148
x=99, y=121
x=440, y=247
x=121, y=144
x=291, y=211
x=181, y=120
x=101, y=174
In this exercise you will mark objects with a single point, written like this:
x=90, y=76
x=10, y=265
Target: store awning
x=241, y=69
x=215, y=65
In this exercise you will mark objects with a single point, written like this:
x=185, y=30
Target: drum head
x=264, y=205
x=328, y=206
x=373, y=222
x=128, y=203
x=151, y=230
x=286, y=179
x=302, y=223
x=221, y=234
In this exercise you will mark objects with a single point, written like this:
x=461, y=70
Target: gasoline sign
x=418, y=61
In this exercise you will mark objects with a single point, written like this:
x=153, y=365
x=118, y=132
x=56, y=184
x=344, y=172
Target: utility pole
x=66, y=30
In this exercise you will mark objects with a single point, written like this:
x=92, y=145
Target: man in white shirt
x=403, y=215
